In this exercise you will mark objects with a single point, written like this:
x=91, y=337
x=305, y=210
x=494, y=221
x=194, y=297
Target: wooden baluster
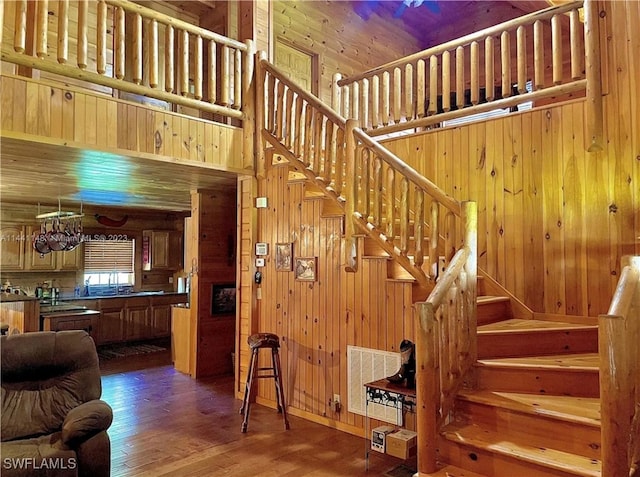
x=404, y=216
x=137, y=48
x=375, y=101
x=224, y=75
x=489, y=68
x=421, y=84
x=42, y=7
x=289, y=120
x=183, y=63
x=450, y=243
x=169, y=74
x=505, y=49
x=351, y=245
x=101, y=40
x=386, y=113
x=1, y=19
x=20, y=30
x=119, y=42
x=329, y=155
x=340, y=158
x=355, y=100
x=271, y=101
x=433, y=240
x=377, y=191
x=298, y=127
x=237, y=76
x=521, y=47
x=249, y=91
x=475, y=72
x=418, y=227
x=538, y=54
x=83, y=27
x=308, y=136
x=397, y=94
x=408, y=92
x=153, y=54
x=460, y=77
x=63, y=31
x=198, y=59
x=212, y=78
x=593, y=66
x=366, y=175
x=279, y=110
x=390, y=202
x=346, y=101
x=446, y=81
x=364, y=103
x=319, y=148
x=556, y=48
x=336, y=96
x=433, y=85
x=577, y=55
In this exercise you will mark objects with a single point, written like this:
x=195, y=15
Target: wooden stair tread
x=567, y=408
x=492, y=299
x=500, y=444
x=453, y=471
x=569, y=362
x=519, y=325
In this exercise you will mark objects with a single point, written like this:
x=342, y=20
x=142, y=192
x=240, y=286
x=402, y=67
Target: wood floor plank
x=169, y=425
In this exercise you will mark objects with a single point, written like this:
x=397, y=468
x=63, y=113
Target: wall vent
x=363, y=366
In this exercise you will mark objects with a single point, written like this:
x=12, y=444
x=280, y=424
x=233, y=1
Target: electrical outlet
x=335, y=403
x=170, y=279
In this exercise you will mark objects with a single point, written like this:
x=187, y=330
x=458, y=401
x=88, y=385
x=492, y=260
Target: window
x=109, y=262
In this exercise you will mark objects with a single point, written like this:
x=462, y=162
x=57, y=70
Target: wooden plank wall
x=98, y=121
x=316, y=321
x=345, y=42
x=554, y=220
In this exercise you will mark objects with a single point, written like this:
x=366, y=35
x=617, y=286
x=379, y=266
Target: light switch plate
x=261, y=203
x=262, y=248
x=259, y=262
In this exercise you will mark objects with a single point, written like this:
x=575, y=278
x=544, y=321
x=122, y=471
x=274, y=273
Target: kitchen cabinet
x=71, y=260
x=112, y=321
x=81, y=320
x=162, y=250
x=12, y=247
x=160, y=321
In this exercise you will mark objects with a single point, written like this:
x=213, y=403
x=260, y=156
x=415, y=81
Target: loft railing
x=525, y=59
x=387, y=199
x=618, y=338
x=122, y=45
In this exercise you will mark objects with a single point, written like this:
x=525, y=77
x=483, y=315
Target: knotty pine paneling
x=554, y=220
x=345, y=42
x=317, y=320
x=98, y=121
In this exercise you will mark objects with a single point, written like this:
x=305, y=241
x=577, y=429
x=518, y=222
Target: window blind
x=108, y=256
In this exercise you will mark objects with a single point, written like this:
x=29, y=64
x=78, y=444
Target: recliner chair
x=53, y=422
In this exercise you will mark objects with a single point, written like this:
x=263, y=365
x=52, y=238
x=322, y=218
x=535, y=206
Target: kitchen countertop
x=124, y=295
x=53, y=314
x=9, y=297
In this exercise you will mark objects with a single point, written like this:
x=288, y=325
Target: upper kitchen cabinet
x=162, y=250
x=71, y=260
x=12, y=247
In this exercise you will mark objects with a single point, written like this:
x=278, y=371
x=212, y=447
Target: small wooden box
x=402, y=444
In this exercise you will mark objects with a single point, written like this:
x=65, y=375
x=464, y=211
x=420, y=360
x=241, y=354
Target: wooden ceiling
x=437, y=21
x=33, y=173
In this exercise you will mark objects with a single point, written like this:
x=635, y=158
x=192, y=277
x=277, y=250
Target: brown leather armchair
x=53, y=422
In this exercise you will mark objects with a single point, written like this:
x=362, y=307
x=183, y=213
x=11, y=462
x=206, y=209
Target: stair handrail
x=618, y=338
x=333, y=135
x=135, y=70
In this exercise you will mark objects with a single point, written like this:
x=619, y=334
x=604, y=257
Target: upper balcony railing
x=536, y=56
x=122, y=45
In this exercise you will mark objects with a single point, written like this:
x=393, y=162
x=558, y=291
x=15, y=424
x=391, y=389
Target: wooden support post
x=446, y=81
x=594, y=79
x=63, y=30
x=212, y=82
x=556, y=49
x=260, y=114
x=351, y=242
x=249, y=108
x=460, y=77
x=183, y=64
x=538, y=55
x=433, y=85
x=521, y=48
x=364, y=104
x=375, y=101
x=505, y=49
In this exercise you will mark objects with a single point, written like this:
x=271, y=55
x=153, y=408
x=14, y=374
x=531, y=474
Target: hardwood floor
x=167, y=424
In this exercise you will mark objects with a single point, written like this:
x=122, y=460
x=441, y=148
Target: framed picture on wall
x=284, y=257
x=306, y=268
x=223, y=299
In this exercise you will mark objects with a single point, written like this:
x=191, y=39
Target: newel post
x=427, y=387
x=593, y=70
x=259, y=111
x=470, y=220
x=351, y=242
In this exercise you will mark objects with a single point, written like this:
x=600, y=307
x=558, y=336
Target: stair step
x=331, y=208
x=453, y=471
x=496, y=454
x=492, y=309
x=516, y=337
x=562, y=423
x=569, y=375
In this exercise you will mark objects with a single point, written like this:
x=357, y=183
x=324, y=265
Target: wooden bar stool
x=256, y=343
